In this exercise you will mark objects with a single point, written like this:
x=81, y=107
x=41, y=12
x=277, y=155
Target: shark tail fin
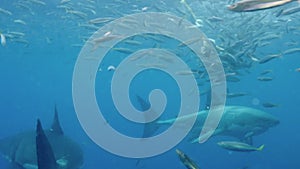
x=44, y=152
x=56, y=127
x=260, y=148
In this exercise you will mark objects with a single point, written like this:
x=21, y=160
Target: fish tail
x=260, y=148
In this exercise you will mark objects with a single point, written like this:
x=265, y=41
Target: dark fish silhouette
x=29, y=149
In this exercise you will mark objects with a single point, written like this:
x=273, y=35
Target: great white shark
x=237, y=121
x=42, y=149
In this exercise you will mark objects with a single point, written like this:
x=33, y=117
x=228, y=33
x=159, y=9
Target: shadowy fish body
x=42, y=149
x=239, y=146
x=269, y=105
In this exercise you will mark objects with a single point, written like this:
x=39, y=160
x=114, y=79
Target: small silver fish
x=264, y=78
x=254, y=5
x=3, y=39
x=266, y=72
x=37, y=2
x=4, y=11
x=123, y=50
x=100, y=20
x=239, y=146
x=232, y=95
x=20, y=21
x=291, y=51
x=269, y=58
x=215, y=19
x=290, y=11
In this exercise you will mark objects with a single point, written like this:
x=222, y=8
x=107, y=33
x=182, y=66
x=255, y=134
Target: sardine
x=291, y=51
x=232, y=95
x=4, y=11
x=101, y=20
x=20, y=21
x=269, y=58
x=37, y=2
x=264, y=78
x=265, y=72
x=123, y=50
x=77, y=13
x=3, y=39
x=64, y=1
x=290, y=10
x=254, y=5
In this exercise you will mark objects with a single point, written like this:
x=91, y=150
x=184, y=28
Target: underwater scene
x=123, y=84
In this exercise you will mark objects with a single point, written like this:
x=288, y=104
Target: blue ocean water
x=41, y=50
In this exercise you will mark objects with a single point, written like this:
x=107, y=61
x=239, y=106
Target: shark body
x=25, y=150
x=237, y=121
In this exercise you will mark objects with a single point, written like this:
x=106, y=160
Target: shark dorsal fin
x=151, y=127
x=143, y=103
x=44, y=152
x=56, y=128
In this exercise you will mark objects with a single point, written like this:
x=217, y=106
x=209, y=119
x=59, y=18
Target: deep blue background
x=34, y=78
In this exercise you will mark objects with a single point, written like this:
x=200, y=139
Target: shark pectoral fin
x=44, y=152
x=56, y=128
x=205, y=135
x=247, y=140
